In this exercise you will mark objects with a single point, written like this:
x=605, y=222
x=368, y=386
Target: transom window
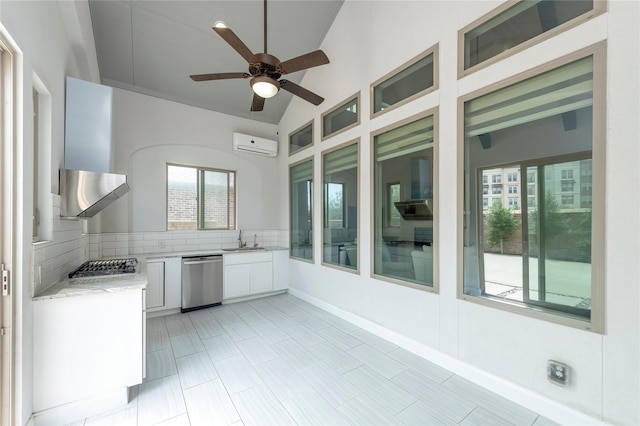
x=342, y=117
x=515, y=26
x=405, y=83
x=200, y=198
x=301, y=138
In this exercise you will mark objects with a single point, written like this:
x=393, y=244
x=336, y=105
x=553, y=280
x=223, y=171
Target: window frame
x=435, y=288
x=356, y=141
x=313, y=195
x=200, y=202
x=433, y=50
x=298, y=130
x=599, y=7
x=348, y=100
x=596, y=323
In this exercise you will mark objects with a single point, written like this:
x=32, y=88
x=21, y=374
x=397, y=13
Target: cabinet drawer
x=240, y=258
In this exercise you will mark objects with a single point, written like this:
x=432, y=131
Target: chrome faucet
x=240, y=243
x=255, y=240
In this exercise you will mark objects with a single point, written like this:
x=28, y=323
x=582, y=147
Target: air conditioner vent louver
x=254, y=145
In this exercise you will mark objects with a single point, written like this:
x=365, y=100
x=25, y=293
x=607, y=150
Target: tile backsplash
x=71, y=246
x=53, y=260
x=142, y=243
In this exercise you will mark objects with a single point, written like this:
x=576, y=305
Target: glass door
x=557, y=255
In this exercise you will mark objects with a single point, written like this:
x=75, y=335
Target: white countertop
x=94, y=285
x=165, y=254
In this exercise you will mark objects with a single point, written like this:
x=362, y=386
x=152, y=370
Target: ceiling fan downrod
x=265, y=26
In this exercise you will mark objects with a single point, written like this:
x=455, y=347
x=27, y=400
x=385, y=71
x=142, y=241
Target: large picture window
x=403, y=230
x=340, y=202
x=537, y=255
x=200, y=198
x=301, y=214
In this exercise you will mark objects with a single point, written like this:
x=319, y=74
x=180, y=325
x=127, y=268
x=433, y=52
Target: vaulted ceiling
x=152, y=47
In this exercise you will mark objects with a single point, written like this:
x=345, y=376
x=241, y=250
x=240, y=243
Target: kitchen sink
x=244, y=249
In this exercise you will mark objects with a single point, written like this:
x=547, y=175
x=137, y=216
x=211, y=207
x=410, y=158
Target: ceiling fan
x=266, y=69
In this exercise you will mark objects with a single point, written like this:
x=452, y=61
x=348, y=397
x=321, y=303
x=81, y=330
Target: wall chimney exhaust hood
x=415, y=209
x=87, y=193
x=86, y=183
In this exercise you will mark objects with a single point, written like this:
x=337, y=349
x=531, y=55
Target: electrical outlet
x=161, y=243
x=557, y=372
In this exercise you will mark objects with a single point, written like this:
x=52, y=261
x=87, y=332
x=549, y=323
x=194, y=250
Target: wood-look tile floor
x=279, y=360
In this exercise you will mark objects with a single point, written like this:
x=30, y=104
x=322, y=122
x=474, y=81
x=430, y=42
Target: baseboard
x=527, y=398
x=78, y=410
x=252, y=296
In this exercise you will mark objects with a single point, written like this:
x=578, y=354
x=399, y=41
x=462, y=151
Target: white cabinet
x=247, y=274
x=280, y=270
x=164, y=286
x=155, y=284
x=237, y=281
x=261, y=277
x=86, y=346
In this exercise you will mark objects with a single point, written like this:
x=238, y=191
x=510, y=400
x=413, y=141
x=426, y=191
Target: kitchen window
x=404, y=155
x=544, y=260
x=514, y=27
x=407, y=82
x=301, y=213
x=340, y=201
x=200, y=198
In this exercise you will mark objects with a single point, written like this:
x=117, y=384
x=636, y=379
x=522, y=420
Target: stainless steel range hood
x=84, y=193
x=415, y=209
x=86, y=183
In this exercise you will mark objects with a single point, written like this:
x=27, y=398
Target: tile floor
x=280, y=360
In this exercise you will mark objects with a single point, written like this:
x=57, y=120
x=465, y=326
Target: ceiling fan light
x=219, y=24
x=264, y=86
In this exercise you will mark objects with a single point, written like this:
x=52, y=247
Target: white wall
x=369, y=39
x=54, y=40
x=149, y=132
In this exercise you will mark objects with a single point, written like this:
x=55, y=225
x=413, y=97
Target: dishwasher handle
x=201, y=260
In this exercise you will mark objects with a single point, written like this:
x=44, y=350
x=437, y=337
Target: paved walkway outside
x=567, y=283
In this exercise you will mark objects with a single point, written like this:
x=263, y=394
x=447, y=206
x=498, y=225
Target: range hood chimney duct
x=86, y=183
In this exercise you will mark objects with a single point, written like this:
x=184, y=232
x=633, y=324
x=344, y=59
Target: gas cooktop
x=97, y=268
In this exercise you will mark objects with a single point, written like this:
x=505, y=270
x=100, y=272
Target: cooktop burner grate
x=96, y=268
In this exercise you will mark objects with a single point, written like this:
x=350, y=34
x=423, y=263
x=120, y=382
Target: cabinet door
x=280, y=270
x=172, y=282
x=261, y=277
x=155, y=285
x=237, y=281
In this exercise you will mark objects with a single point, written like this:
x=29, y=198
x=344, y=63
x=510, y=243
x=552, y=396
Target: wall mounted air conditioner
x=254, y=145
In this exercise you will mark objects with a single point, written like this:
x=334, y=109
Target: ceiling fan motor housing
x=269, y=65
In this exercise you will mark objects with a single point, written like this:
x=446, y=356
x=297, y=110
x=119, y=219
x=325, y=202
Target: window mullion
x=200, y=200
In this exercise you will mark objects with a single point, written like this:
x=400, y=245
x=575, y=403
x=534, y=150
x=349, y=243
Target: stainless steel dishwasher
x=201, y=282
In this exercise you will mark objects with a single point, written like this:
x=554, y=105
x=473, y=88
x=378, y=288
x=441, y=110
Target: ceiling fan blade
x=301, y=91
x=233, y=40
x=257, y=104
x=219, y=76
x=309, y=60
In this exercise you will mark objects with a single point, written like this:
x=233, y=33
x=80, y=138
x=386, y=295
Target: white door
x=6, y=231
